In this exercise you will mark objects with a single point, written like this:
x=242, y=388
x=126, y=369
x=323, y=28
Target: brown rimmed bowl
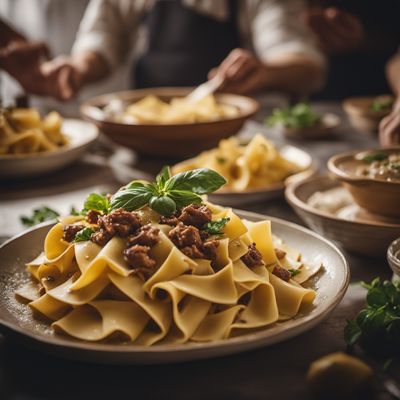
x=360, y=114
x=375, y=195
x=363, y=234
x=171, y=140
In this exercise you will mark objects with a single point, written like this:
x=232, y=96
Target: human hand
x=389, y=127
x=241, y=72
x=337, y=31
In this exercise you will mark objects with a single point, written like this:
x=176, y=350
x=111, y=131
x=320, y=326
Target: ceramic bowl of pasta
x=255, y=171
x=33, y=145
x=365, y=113
x=329, y=209
x=160, y=122
x=372, y=177
x=156, y=274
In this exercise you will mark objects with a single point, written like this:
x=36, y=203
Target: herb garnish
x=96, y=202
x=294, y=272
x=376, y=328
x=299, y=116
x=378, y=156
x=83, y=234
x=39, y=215
x=215, y=227
x=168, y=193
x=382, y=104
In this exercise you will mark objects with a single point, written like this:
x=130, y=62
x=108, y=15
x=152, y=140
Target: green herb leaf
x=74, y=211
x=378, y=156
x=39, y=215
x=163, y=177
x=183, y=198
x=132, y=197
x=299, y=116
x=352, y=333
x=96, y=202
x=83, y=235
x=164, y=205
x=294, y=272
x=199, y=181
x=215, y=227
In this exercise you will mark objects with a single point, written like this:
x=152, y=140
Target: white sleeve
x=108, y=27
x=278, y=30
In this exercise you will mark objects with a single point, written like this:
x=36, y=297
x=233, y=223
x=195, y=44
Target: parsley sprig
x=216, y=227
x=168, y=193
x=39, y=215
x=301, y=115
x=376, y=328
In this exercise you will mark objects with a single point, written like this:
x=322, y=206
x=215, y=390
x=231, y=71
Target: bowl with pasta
x=255, y=170
x=32, y=145
x=161, y=122
x=156, y=274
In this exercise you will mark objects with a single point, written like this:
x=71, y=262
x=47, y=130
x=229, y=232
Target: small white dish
x=80, y=135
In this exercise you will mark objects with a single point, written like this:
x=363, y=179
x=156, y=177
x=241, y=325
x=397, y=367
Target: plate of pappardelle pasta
x=31, y=144
x=255, y=170
x=154, y=274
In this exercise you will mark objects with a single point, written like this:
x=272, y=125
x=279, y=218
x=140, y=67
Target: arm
x=389, y=128
x=8, y=34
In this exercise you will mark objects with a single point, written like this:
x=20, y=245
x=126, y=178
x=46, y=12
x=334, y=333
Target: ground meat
x=253, y=257
x=282, y=273
x=101, y=237
x=210, y=249
x=71, y=230
x=192, y=251
x=183, y=236
x=280, y=254
x=172, y=220
x=120, y=222
x=145, y=236
x=138, y=258
x=92, y=216
x=196, y=215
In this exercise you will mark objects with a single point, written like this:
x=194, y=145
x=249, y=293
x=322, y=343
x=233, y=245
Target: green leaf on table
x=39, y=215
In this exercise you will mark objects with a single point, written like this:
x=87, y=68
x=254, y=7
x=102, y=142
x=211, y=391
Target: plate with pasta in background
x=33, y=145
x=157, y=274
x=255, y=170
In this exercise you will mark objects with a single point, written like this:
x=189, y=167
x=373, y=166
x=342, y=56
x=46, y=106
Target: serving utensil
x=205, y=89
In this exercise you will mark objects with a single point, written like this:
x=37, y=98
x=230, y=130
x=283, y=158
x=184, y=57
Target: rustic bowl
x=171, y=140
x=375, y=195
x=328, y=123
x=367, y=235
x=360, y=114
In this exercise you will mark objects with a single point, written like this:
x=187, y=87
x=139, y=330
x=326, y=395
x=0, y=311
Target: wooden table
x=276, y=372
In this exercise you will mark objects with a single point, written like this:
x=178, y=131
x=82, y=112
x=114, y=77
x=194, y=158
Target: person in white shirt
x=252, y=44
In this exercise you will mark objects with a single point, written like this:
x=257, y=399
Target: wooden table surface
x=276, y=372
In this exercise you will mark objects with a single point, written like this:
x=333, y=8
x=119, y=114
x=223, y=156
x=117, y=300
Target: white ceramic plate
x=16, y=318
x=80, y=135
x=294, y=154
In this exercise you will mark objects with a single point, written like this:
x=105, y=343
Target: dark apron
x=362, y=72
x=183, y=45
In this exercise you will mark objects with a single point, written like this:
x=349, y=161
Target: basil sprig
x=215, y=227
x=96, y=202
x=168, y=193
x=83, y=235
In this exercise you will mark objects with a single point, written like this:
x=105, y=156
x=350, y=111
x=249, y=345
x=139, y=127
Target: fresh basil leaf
x=215, y=227
x=164, y=205
x=163, y=177
x=83, y=235
x=39, y=215
x=376, y=297
x=97, y=202
x=183, y=198
x=294, y=272
x=352, y=333
x=199, y=181
x=133, y=197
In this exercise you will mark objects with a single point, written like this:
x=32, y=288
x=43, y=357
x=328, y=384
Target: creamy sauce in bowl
x=380, y=166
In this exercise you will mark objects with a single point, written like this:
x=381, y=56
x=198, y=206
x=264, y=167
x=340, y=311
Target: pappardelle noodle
x=124, y=272
x=153, y=110
x=255, y=165
x=23, y=131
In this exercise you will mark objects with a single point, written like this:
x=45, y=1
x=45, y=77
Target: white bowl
x=80, y=135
